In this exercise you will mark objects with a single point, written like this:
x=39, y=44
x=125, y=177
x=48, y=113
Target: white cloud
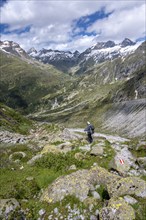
x=52, y=22
x=126, y=23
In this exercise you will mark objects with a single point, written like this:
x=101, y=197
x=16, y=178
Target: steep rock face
x=127, y=117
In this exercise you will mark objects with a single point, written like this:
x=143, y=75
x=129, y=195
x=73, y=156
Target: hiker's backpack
x=92, y=129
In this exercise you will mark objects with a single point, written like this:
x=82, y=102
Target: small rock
x=85, y=148
x=97, y=212
x=79, y=156
x=50, y=217
x=56, y=211
x=94, y=164
x=93, y=217
x=72, y=167
x=29, y=178
x=91, y=206
x=42, y=212
x=95, y=194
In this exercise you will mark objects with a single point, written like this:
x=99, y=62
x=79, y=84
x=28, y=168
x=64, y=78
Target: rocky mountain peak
x=13, y=48
x=127, y=42
x=32, y=50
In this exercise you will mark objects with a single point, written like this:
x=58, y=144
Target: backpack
x=92, y=129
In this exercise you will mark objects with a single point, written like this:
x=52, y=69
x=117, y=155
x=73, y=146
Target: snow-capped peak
x=12, y=48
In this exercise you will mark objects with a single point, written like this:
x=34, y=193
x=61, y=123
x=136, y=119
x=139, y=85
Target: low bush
x=58, y=162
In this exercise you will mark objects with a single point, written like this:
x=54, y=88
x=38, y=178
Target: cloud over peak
x=71, y=25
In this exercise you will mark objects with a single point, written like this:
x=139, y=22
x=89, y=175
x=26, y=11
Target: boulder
x=50, y=149
x=77, y=184
x=79, y=156
x=97, y=150
x=128, y=186
x=117, y=209
x=7, y=206
x=123, y=161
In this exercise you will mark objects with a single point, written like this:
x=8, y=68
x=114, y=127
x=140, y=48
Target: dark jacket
x=89, y=129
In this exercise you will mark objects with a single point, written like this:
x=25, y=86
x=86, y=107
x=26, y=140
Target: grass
x=13, y=121
x=140, y=209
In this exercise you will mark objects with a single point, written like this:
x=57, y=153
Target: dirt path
x=110, y=138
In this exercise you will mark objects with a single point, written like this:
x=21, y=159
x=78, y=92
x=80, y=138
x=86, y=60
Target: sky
x=71, y=24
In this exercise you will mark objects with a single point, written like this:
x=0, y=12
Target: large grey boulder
x=78, y=184
x=117, y=209
x=7, y=206
x=123, y=161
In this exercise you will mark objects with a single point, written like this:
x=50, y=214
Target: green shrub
x=58, y=162
x=26, y=189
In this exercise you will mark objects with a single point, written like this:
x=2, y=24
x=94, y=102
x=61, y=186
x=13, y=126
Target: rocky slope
x=67, y=179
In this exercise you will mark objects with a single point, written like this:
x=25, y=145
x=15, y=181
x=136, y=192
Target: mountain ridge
x=67, y=60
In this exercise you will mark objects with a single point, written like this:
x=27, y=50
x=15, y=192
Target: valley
x=48, y=169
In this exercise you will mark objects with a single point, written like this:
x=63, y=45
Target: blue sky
x=71, y=25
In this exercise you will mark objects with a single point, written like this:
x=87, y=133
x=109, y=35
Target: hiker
x=90, y=130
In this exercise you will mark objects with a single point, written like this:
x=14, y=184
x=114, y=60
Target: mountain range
x=75, y=62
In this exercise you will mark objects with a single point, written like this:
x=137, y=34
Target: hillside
x=23, y=83
x=13, y=121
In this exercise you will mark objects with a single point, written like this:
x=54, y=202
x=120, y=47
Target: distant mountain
x=63, y=60
x=102, y=51
x=76, y=62
x=11, y=47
